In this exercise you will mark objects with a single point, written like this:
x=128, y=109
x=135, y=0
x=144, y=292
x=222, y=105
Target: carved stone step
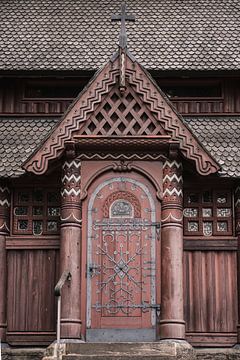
x=164, y=350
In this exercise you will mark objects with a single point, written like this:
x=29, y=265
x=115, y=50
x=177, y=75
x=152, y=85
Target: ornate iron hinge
x=144, y=306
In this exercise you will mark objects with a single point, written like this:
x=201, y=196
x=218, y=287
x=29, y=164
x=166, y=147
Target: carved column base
x=172, y=329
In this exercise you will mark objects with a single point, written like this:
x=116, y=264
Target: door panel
x=121, y=255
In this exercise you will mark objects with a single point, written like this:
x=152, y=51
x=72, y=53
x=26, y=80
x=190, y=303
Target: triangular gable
x=119, y=115
x=159, y=114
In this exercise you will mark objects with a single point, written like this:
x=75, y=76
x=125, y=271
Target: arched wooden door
x=122, y=266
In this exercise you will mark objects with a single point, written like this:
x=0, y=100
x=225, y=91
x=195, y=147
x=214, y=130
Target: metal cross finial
x=123, y=18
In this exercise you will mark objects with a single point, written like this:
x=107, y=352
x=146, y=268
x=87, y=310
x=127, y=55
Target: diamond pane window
x=222, y=198
x=37, y=227
x=190, y=212
x=22, y=225
x=193, y=226
x=21, y=210
x=53, y=211
x=37, y=210
x=207, y=212
x=223, y=212
x=222, y=226
x=52, y=226
x=207, y=228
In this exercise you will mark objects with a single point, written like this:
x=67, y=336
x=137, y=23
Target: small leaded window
x=207, y=213
x=36, y=211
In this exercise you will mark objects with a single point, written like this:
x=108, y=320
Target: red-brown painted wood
x=210, y=287
x=4, y=231
x=14, y=102
x=237, y=225
x=32, y=275
x=172, y=324
x=70, y=239
x=105, y=198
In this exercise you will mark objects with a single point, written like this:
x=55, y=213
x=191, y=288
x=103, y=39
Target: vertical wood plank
x=31, y=280
x=210, y=291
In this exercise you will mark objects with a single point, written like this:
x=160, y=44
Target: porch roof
x=19, y=137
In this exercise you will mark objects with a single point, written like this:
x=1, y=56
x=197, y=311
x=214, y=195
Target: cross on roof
x=123, y=17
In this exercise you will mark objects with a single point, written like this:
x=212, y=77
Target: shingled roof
x=79, y=34
x=19, y=137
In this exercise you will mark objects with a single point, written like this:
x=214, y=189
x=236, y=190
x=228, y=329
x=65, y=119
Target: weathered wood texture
x=210, y=282
x=13, y=99
x=32, y=275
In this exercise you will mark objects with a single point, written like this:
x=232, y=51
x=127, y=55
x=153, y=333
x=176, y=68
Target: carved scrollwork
x=122, y=195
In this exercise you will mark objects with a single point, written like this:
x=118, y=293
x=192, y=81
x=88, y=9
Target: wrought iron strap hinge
x=157, y=224
x=144, y=306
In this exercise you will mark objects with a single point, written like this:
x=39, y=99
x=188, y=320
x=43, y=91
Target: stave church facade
x=120, y=166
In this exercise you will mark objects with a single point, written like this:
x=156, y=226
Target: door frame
x=152, y=192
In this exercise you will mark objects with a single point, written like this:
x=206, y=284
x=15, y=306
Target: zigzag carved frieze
x=152, y=98
x=66, y=192
x=173, y=177
x=173, y=191
x=3, y=189
x=70, y=164
x=71, y=178
x=171, y=122
x=73, y=121
x=171, y=164
x=5, y=202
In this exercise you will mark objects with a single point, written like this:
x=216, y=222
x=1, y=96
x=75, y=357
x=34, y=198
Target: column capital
x=71, y=193
x=172, y=193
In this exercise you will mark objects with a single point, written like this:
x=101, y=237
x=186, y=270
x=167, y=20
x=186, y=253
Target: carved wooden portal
x=121, y=256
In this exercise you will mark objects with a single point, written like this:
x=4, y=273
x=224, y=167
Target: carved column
x=172, y=325
x=237, y=217
x=4, y=231
x=70, y=248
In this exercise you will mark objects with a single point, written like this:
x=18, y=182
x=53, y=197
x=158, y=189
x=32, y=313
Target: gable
x=101, y=110
x=119, y=115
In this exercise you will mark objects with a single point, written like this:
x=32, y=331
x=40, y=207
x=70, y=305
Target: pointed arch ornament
x=153, y=98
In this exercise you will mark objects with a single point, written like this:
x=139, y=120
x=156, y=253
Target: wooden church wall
x=33, y=262
x=53, y=96
x=32, y=275
x=210, y=264
x=210, y=297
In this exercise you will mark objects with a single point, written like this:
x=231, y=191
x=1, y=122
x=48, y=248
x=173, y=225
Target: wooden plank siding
x=210, y=288
x=14, y=102
x=32, y=275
